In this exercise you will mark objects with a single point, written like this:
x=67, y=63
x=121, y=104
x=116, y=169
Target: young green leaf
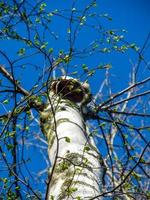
x=67, y=139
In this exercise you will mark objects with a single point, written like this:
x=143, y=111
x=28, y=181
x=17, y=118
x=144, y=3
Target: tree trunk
x=76, y=171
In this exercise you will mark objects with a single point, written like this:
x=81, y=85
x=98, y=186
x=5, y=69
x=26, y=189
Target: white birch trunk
x=76, y=171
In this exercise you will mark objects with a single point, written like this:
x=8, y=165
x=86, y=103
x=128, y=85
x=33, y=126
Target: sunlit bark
x=76, y=171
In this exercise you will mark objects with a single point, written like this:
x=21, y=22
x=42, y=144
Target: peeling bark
x=76, y=171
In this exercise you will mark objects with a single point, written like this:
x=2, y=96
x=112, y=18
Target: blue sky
x=133, y=16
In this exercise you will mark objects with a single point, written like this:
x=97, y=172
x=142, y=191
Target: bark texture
x=76, y=168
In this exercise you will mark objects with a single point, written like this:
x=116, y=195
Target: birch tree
x=66, y=130
x=77, y=167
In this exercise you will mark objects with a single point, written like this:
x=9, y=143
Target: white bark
x=77, y=170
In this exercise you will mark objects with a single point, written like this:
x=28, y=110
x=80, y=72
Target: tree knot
x=69, y=88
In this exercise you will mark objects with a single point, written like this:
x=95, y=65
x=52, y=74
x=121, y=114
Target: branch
x=123, y=91
x=10, y=78
x=16, y=176
x=33, y=103
x=127, y=99
x=130, y=113
x=125, y=178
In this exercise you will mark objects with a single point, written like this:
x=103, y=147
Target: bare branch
x=124, y=91
x=10, y=78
